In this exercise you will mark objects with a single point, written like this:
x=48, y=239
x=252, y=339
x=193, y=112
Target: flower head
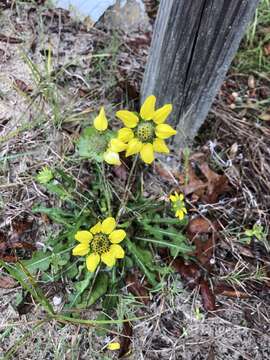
x=45, y=175
x=113, y=346
x=178, y=205
x=100, y=243
x=100, y=141
x=101, y=122
x=144, y=133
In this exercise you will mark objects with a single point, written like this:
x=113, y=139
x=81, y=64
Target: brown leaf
x=207, y=186
x=266, y=49
x=194, y=185
x=138, y=289
x=125, y=339
x=10, y=39
x=190, y=273
x=22, y=245
x=217, y=184
x=23, y=86
x=208, y=298
x=7, y=282
x=204, y=235
x=200, y=225
x=22, y=225
x=166, y=174
x=121, y=172
x=225, y=290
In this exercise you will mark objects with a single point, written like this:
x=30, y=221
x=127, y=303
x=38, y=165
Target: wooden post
x=193, y=44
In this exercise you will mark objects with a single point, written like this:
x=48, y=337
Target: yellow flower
x=101, y=122
x=178, y=205
x=111, y=155
x=144, y=133
x=113, y=346
x=100, y=243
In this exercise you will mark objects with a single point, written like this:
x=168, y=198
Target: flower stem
x=127, y=188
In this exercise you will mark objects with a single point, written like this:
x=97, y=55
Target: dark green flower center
x=146, y=131
x=100, y=244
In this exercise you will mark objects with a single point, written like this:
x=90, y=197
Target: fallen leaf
x=22, y=225
x=121, y=172
x=266, y=49
x=194, y=184
x=208, y=298
x=137, y=288
x=10, y=39
x=21, y=85
x=229, y=291
x=217, y=184
x=200, y=225
x=165, y=174
x=190, y=272
x=203, y=233
x=125, y=339
x=7, y=282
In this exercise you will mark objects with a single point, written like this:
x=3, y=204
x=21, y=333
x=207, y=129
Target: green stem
x=127, y=188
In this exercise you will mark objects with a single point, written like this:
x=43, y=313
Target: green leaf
x=45, y=175
x=167, y=236
x=143, y=258
x=80, y=287
x=92, y=143
x=55, y=214
x=58, y=189
x=100, y=288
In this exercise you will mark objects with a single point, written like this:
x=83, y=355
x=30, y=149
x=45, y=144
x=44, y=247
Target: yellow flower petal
x=117, y=145
x=180, y=214
x=148, y=108
x=117, y=236
x=111, y=157
x=101, y=122
x=129, y=119
x=81, y=249
x=164, y=131
x=173, y=198
x=108, y=225
x=134, y=147
x=147, y=153
x=92, y=262
x=113, y=346
x=181, y=197
x=161, y=114
x=160, y=146
x=125, y=134
x=108, y=258
x=83, y=236
x=96, y=228
x=117, y=251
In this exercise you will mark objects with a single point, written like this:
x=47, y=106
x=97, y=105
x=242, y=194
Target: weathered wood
x=193, y=44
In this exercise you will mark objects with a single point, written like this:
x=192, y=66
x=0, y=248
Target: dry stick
x=127, y=189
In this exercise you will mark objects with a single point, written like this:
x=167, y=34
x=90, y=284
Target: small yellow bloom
x=111, y=157
x=101, y=122
x=100, y=243
x=113, y=346
x=178, y=205
x=144, y=133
